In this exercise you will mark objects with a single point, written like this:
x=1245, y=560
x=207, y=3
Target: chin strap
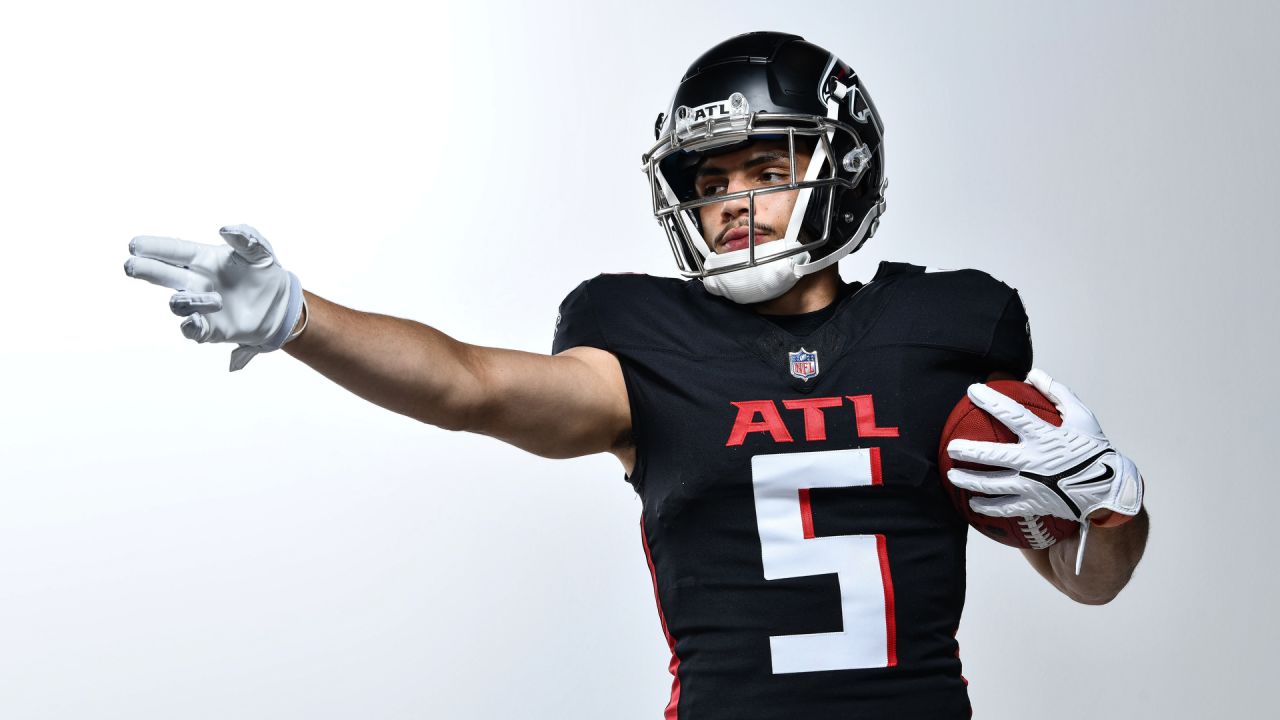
x=757, y=283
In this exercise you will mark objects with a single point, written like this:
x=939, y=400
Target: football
x=969, y=422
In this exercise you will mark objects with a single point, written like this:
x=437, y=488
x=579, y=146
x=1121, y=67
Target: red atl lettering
x=815, y=420
x=865, y=411
x=815, y=423
x=770, y=421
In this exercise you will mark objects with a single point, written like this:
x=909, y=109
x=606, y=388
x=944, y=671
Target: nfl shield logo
x=804, y=364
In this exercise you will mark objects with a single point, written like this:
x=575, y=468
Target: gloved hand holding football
x=1066, y=471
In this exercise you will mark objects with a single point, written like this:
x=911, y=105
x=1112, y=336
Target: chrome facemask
x=722, y=125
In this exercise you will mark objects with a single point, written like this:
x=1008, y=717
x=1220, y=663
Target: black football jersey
x=806, y=560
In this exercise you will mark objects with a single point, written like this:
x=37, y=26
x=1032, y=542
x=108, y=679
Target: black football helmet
x=777, y=86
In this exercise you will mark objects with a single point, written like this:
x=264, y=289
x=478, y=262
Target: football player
x=779, y=424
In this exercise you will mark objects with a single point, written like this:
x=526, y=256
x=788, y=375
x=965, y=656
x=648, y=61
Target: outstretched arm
x=572, y=404
x=566, y=405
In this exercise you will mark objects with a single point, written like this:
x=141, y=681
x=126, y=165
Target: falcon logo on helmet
x=768, y=85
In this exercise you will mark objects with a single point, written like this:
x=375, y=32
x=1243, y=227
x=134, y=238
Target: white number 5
x=861, y=565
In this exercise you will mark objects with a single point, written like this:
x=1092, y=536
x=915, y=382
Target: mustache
x=761, y=229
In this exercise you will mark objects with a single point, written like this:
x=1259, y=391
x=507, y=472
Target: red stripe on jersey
x=673, y=705
x=806, y=514
x=890, y=617
x=877, y=476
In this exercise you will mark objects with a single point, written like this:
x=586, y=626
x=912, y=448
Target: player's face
x=759, y=165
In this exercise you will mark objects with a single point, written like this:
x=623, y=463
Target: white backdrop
x=177, y=541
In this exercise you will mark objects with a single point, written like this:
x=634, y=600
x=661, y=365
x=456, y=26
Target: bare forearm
x=1111, y=554
x=399, y=364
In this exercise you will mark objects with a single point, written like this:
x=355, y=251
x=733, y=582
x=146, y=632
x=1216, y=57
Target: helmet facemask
x=672, y=163
x=769, y=86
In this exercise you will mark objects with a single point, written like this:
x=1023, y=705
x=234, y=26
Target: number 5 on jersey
x=860, y=562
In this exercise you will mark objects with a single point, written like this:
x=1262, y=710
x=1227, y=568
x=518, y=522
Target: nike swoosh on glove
x=1067, y=471
x=235, y=292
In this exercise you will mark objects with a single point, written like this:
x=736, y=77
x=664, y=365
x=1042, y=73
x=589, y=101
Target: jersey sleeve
x=1010, y=349
x=576, y=322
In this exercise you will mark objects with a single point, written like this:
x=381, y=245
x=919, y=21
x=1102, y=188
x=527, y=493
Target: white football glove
x=235, y=292
x=1067, y=471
